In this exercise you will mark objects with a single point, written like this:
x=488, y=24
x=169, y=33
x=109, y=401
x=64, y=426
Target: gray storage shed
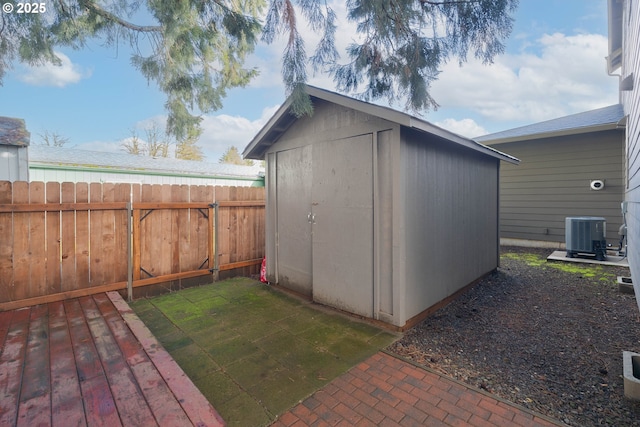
x=14, y=143
x=373, y=211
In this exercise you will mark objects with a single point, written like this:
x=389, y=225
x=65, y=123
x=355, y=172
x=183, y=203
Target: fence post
x=213, y=240
x=129, y=252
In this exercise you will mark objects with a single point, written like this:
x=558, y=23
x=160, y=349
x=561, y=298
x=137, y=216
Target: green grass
x=255, y=352
x=584, y=270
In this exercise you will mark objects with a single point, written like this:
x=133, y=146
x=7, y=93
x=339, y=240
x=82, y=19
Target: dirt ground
x=546, y=335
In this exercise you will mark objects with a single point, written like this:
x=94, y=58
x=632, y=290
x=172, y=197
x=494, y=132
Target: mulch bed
x=546, y=335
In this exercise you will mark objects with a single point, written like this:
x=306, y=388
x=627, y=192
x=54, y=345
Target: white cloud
x=54, y=75
x=219, y=132
x=568, y=76
x=223, y=131
x=269, y=62
x=548, y=77
x=464, y=127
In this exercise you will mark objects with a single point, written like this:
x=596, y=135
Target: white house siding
x=631, y=103
x=13, y=163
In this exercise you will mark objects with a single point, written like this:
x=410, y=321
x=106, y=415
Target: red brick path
x=386, y=391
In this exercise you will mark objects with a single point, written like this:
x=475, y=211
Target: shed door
x=294, y=225
x=342, y=205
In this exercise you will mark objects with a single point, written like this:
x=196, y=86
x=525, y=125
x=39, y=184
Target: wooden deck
x=90, y=361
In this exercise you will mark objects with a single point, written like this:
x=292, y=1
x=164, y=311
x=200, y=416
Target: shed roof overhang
x=284, y=118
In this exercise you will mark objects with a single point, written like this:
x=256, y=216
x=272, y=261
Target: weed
x=584, y=270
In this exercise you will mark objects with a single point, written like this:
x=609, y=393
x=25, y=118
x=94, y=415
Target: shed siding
x=450, y=217
x=553, y=180
x=384, y=217
x=329, y=122
x=631, y=103
x=426, y=202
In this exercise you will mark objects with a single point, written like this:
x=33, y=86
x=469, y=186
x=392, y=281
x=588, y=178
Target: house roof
x=13, y=132
x=606, y=118
x=75, y=158
x=283, y=118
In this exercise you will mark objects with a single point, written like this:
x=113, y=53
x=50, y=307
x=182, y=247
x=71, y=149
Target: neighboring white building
x=624, y=60
x=14, y=143
x=60, y=164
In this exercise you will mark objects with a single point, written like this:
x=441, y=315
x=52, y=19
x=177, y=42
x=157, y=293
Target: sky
x=554, y=65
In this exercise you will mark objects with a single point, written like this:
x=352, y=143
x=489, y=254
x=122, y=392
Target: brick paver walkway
x=387, y=391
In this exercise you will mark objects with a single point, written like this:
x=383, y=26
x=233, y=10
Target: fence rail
x=64, y=240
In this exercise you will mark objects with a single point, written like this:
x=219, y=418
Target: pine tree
x=232, y=157
x=194, y=50
x=187, y=148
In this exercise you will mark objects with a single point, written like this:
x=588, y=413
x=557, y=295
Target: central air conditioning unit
x=585, y=235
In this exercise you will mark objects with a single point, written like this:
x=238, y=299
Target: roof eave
x=270, y=132
x=554, y=134
x=283, y=118
x=465, y=142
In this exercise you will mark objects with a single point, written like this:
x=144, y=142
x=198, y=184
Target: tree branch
x=443, y=2
x=114, y=18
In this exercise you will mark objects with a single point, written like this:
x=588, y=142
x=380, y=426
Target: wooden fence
x=60, y=241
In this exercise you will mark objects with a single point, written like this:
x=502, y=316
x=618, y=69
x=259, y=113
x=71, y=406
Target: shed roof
x=605, y=118
x=74, y=158
x=13, y=132
x=283, y=118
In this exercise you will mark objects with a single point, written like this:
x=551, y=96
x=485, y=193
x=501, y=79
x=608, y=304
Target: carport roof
x=283, y=118
x=605, y=118
x=71, y=158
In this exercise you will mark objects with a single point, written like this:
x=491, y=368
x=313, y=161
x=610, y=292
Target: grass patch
x=255, y=352
x=584, y=270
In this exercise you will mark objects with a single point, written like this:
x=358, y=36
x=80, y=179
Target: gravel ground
x=546, y=335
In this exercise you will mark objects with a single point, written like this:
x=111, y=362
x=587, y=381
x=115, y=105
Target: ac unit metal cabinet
x=585, y=235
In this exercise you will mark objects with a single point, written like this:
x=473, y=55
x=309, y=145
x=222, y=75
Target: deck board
x=11, y=362
x=66, y=397
x=81, y=362
x=35, y=397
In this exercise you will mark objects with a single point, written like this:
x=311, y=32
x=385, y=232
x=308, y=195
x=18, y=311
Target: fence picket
x=82, y=237
x=68, y=239
x=122, y=193
x=6, y=244
x=22, y=236
x=73, y=239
